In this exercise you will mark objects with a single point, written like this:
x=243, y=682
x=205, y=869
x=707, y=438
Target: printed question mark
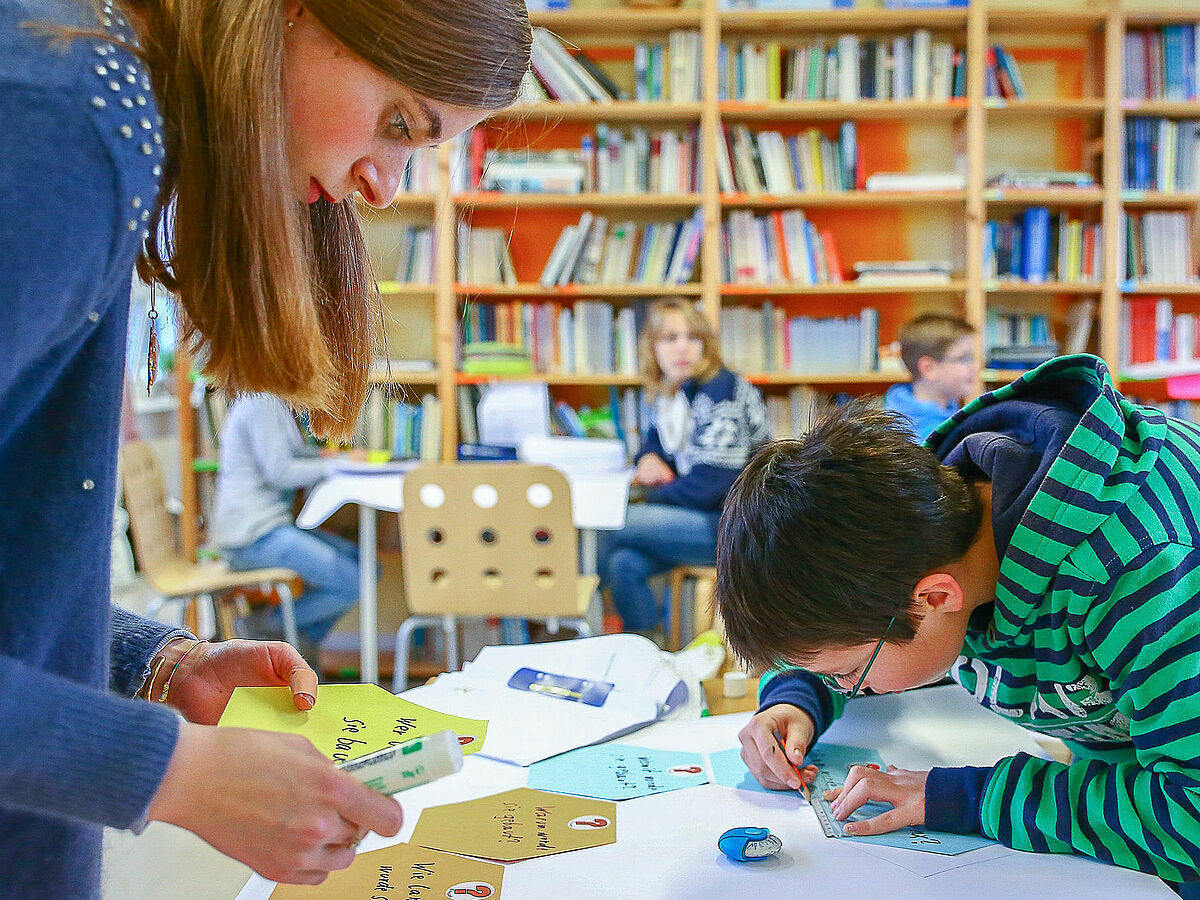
x=471, y=889
x=593, y=822
x=686, y=770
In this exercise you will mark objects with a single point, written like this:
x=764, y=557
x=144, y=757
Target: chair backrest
x=145, y=496
x=489, y=539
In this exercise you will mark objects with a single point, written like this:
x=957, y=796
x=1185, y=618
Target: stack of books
x=1039, y=179
x=1018, y=340
x=494, y=358
x=1162, y=154
x=1158, y=248
x=767, y=161
x=915, y=181
x=908, y=272
x=483, y=257
x=847, y=69
x=1036, y=246
x=1160, y=63
x=593, y=252
x=765, y=339
x=1153, y=333
x=780, y=247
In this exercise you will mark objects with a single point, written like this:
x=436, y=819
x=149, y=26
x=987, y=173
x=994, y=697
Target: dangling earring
x=152, y=351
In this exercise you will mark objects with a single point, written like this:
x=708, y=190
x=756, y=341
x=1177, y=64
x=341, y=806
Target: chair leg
x=287, y=610
x=226, y=620
x=191, y=615
x=403, y=638
x=450, y=630
x=675, y=608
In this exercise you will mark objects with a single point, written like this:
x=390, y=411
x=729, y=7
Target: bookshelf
x=1073, y=117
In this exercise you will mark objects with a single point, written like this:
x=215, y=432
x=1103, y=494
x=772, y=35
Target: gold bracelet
x=162, y=698
x=155, y=669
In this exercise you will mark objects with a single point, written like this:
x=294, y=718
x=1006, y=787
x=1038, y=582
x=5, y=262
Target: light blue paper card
x=834, y=762
x=618, y=772
x=729, y=770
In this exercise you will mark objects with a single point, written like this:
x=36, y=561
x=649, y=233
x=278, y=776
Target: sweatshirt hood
x=1064, y=451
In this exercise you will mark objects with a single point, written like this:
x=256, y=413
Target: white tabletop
x=598, y=499
x=667, y=843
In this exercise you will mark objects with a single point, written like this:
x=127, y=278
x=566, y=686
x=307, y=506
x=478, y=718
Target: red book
x=1141, y=330
x=478, y=152
x=831, y=257
x=785, y=266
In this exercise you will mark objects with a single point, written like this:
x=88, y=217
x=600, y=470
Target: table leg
x=368, y=626
x=587, y=566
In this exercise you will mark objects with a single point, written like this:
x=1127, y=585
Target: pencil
x=803, y=786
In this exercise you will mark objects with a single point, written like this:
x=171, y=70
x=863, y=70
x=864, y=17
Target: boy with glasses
x=939, y=352
x=1044, y=549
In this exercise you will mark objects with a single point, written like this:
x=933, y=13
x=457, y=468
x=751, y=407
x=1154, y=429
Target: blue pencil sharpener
x=748, y=844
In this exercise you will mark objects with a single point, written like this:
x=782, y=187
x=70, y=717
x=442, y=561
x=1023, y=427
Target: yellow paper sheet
x=349, y=720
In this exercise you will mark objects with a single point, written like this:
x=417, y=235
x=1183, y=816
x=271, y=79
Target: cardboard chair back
x=489, y=539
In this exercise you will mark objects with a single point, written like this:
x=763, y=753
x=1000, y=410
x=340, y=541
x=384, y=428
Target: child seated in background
x=939, y=352
x=1043, y=551
x=705, y=421
x=263, y=461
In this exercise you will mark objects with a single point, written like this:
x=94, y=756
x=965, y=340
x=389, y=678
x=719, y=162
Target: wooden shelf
x=1153, y=199
x=841, y=20
x=848, y=288
x=404, y=202
x=1178, y=290
x=1084, y=107
x=405, y=289
x=1027, y=21
x=1044, y=196
x=1163, y=15
x=570, y=291
x=399, y=376
x=788, y=378
x=554, y=379
x=1166, y=108
x=616, y=21
x=497, y=200
x=915, y=110
x=1049, y=287
x=1001, y=376
x=843, y=199
x=617, y=111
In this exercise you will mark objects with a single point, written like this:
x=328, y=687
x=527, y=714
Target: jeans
x=655, y=538
x=327, y=564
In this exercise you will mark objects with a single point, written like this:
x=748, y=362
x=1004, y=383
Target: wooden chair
x=168, y=572
x=697, y=583
x=488, y=540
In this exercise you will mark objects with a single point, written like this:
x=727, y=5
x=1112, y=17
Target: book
x=915, y=181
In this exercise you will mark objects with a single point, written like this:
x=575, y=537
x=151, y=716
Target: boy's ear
x=924, y=364
x=939, y=591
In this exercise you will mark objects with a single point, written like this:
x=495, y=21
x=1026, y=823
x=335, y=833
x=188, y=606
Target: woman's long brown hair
x=276, y=296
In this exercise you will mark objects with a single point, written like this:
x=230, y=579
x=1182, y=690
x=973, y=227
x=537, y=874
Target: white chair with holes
x=488, y=540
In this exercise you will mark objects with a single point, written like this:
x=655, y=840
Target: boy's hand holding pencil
x=774, y=743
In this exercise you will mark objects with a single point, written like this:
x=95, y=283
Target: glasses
x=831, y=681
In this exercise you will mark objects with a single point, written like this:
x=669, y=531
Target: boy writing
x=1044, y=551
x=939, y=352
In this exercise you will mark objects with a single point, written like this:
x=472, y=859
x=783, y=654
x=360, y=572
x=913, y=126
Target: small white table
x=598, y=502
x=666, y=847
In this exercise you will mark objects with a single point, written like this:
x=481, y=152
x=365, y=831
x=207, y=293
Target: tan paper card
x=402, y=870
x=349, y=720
x=518, y=824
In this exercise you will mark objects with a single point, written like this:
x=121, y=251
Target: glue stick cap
x=442, y=753
x=735, y=684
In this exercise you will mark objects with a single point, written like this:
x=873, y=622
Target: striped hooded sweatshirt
x=1094, y=634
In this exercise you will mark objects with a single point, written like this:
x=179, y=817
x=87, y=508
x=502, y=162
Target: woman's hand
x=271, y=801
x=651, y=470
x=760, y=751
x=903, y=789
x=205, y=679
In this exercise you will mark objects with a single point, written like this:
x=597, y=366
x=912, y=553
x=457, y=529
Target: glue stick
x=407, y=765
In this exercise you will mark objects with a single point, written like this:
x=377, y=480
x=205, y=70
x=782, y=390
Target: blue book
x=486, y=453
x=1035, y=255
x=1189, y=62
x=848, y=149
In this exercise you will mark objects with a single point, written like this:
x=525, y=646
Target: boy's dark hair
x=930, y=335
x=823, y=539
